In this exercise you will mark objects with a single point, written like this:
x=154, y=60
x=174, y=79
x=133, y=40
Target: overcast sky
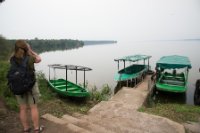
x=100, y=19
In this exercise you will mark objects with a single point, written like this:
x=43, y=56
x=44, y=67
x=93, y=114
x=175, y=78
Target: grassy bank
x=176, y=112
x=5, y=93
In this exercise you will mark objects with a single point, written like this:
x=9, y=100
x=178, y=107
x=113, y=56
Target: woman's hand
x=32, y=53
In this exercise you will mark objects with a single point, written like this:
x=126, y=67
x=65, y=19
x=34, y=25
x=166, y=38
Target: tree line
x=45, y=45
x=38, y=45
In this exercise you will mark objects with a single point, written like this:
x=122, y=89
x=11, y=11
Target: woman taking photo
x=30, y=98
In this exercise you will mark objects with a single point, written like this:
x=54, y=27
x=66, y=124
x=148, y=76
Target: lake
x=101, y=59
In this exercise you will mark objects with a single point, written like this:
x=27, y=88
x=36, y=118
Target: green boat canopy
x=133, y=58
x=70, y=67
x=173, y=61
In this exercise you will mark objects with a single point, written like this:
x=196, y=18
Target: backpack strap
x=24, y=62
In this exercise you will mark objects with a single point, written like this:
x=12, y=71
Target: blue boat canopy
x=173, y=61
x=133, y=58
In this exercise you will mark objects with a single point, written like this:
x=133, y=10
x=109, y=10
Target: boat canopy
x=133, y=58
x=173, y=61
x=70, y=67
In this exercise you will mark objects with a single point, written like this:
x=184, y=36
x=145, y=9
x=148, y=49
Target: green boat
x=172, y=73
x=67, y=88
x=132, y=71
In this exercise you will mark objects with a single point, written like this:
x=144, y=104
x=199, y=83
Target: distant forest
x=45, y=45
x=91, y=42
x=38, y=45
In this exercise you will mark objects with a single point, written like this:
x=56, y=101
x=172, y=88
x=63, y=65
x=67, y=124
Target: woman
x=28, y=99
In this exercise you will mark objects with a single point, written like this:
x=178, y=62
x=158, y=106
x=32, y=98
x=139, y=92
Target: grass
x=5, y=93
x=176, y=112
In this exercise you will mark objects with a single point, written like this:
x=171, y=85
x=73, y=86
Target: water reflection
x=169, y=97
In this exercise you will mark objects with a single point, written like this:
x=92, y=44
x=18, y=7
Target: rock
x=192, y=127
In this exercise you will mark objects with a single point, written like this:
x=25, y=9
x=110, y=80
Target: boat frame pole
x=54, y=76
x=118, y=64
x=124, y=64
x=49, y=73
x=76, y=75
x=84, y=78
x=66, y=78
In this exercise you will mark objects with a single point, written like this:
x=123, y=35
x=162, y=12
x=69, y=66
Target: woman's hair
x=21, y=49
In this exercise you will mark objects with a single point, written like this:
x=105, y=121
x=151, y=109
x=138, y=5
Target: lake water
x=101, y=59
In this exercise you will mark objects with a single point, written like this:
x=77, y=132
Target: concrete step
x=135, y=123
x=130, y=99
x=71, y=127
x=115, y=124
x=85, y=124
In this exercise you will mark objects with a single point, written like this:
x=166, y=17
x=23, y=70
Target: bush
x=103, y=95
x=5, y=92
x=45, y=91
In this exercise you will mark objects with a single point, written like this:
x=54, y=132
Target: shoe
x=39, y=130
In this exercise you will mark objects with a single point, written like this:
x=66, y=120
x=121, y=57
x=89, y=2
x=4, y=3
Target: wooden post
x=135, y=82
x=149, y=84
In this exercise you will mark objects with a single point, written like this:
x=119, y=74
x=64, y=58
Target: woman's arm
x=34, y=54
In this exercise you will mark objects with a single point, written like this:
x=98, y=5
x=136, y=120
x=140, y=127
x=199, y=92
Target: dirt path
x=10, y=123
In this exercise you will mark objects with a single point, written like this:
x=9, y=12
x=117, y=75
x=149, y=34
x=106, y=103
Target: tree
x=5, y=48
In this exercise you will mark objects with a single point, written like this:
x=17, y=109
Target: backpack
x=20, y=78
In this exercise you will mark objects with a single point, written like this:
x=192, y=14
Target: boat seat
x=60, y=86
x=178, y=78
x=173, y=82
